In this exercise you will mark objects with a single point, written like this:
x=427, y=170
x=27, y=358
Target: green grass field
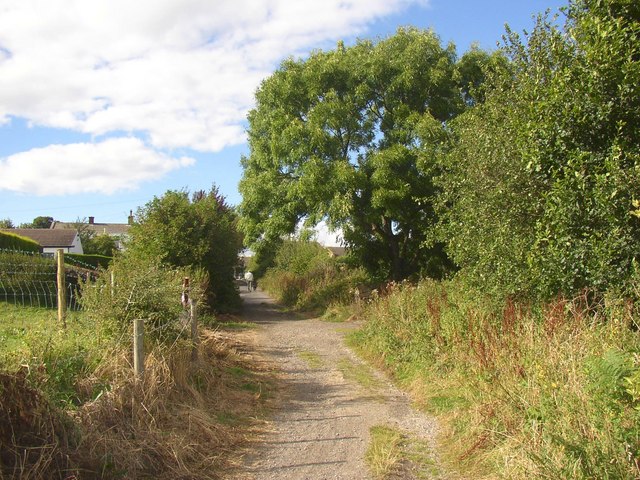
x=17, y=325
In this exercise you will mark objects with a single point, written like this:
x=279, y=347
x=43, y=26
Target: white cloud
x=184, y=71
x=180, y=72
x=105, y=167
x=327, y=237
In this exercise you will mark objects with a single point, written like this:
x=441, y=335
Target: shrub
x=142, y=288
x=307, y=278
x=11, y=241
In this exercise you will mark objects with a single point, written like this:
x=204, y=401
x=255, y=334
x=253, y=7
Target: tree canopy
x=196, y=230
x=352, y=136
x=38, y=222
x=539, y=188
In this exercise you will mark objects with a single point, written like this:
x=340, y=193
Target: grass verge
x=74, y=408
x=521, y=391
x=394, y=454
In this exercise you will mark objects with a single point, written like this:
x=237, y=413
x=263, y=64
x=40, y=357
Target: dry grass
x=384, y=452
x=520, y=393
x=171, y=424
x=167, y=425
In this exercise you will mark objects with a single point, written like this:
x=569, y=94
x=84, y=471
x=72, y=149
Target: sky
x=105, y=104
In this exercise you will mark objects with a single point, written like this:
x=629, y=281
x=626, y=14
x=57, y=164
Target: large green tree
x=196, y=230
x=351, y=136
x=541, y=182
x=39, y=222
x=6, y=223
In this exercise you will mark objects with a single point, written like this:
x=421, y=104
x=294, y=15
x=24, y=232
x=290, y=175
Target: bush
x=307, y=278
x=142, y=288
x=11, y=241
x=540, y=185
x=192, y=232
x=88, y=260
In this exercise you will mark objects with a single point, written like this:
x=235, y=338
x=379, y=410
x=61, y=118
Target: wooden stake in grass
x=138, y=347
x=194, y=329
x=62, y=298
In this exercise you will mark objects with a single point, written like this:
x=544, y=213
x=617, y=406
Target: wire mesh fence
x=30, y=279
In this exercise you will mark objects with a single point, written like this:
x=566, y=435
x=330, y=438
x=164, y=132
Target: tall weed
x=524, y=391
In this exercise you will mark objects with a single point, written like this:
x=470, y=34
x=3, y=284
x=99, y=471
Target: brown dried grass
x=167, y=425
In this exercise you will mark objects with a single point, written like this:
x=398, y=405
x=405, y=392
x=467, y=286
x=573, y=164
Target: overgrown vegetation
x=529, y=351
x=70, y=405
x=528, y=392
x=306, y=277
x=540, y=186
x=196, y=231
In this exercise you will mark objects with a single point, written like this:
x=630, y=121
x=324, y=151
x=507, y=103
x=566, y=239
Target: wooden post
x=138, y=347
x=194, y=330
x=62, y=297
x=185, y=292
x=113, y=283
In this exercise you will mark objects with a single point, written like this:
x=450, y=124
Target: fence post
x=194, y=330
x=138, y=347
x=62, y=291
x=185, y=292
x=113, y=282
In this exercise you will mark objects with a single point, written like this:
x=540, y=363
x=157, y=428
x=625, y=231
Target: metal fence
x=30, y=279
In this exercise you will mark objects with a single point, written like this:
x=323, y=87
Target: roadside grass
x=394, y=454
x=521, y=391
x=384, y=452
x=361, y=374
x=311, y=358
x=78, y=405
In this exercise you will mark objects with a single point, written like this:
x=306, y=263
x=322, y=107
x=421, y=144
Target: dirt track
x=320, y=429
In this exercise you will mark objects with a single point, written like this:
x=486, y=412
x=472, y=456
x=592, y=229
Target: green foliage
x=305, y=277
x=142, y=288
x=197, y=232
x=11, y=241
x=550, y=392
x=38, y=222
x=84, y=260
x=103, y=245
x=351, y=136
x=540, y=182
x=84, y=229
x=6, y=223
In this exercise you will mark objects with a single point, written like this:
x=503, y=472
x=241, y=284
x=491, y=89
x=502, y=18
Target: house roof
x=47, y=237
x=336, y=251
x=99, y=228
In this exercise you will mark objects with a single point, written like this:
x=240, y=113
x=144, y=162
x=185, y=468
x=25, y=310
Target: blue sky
x=105, y=104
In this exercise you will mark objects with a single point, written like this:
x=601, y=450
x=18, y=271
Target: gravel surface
x=320, y=428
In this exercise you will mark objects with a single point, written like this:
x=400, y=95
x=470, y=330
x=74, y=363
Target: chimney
x=130, y=217
x=91, y=220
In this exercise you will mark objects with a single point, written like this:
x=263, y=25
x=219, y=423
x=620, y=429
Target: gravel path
x=321, y=427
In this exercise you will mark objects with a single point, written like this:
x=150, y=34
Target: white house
x=52, y=240
x=119, y=231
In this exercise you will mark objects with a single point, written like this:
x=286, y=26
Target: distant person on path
x=249, y=278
